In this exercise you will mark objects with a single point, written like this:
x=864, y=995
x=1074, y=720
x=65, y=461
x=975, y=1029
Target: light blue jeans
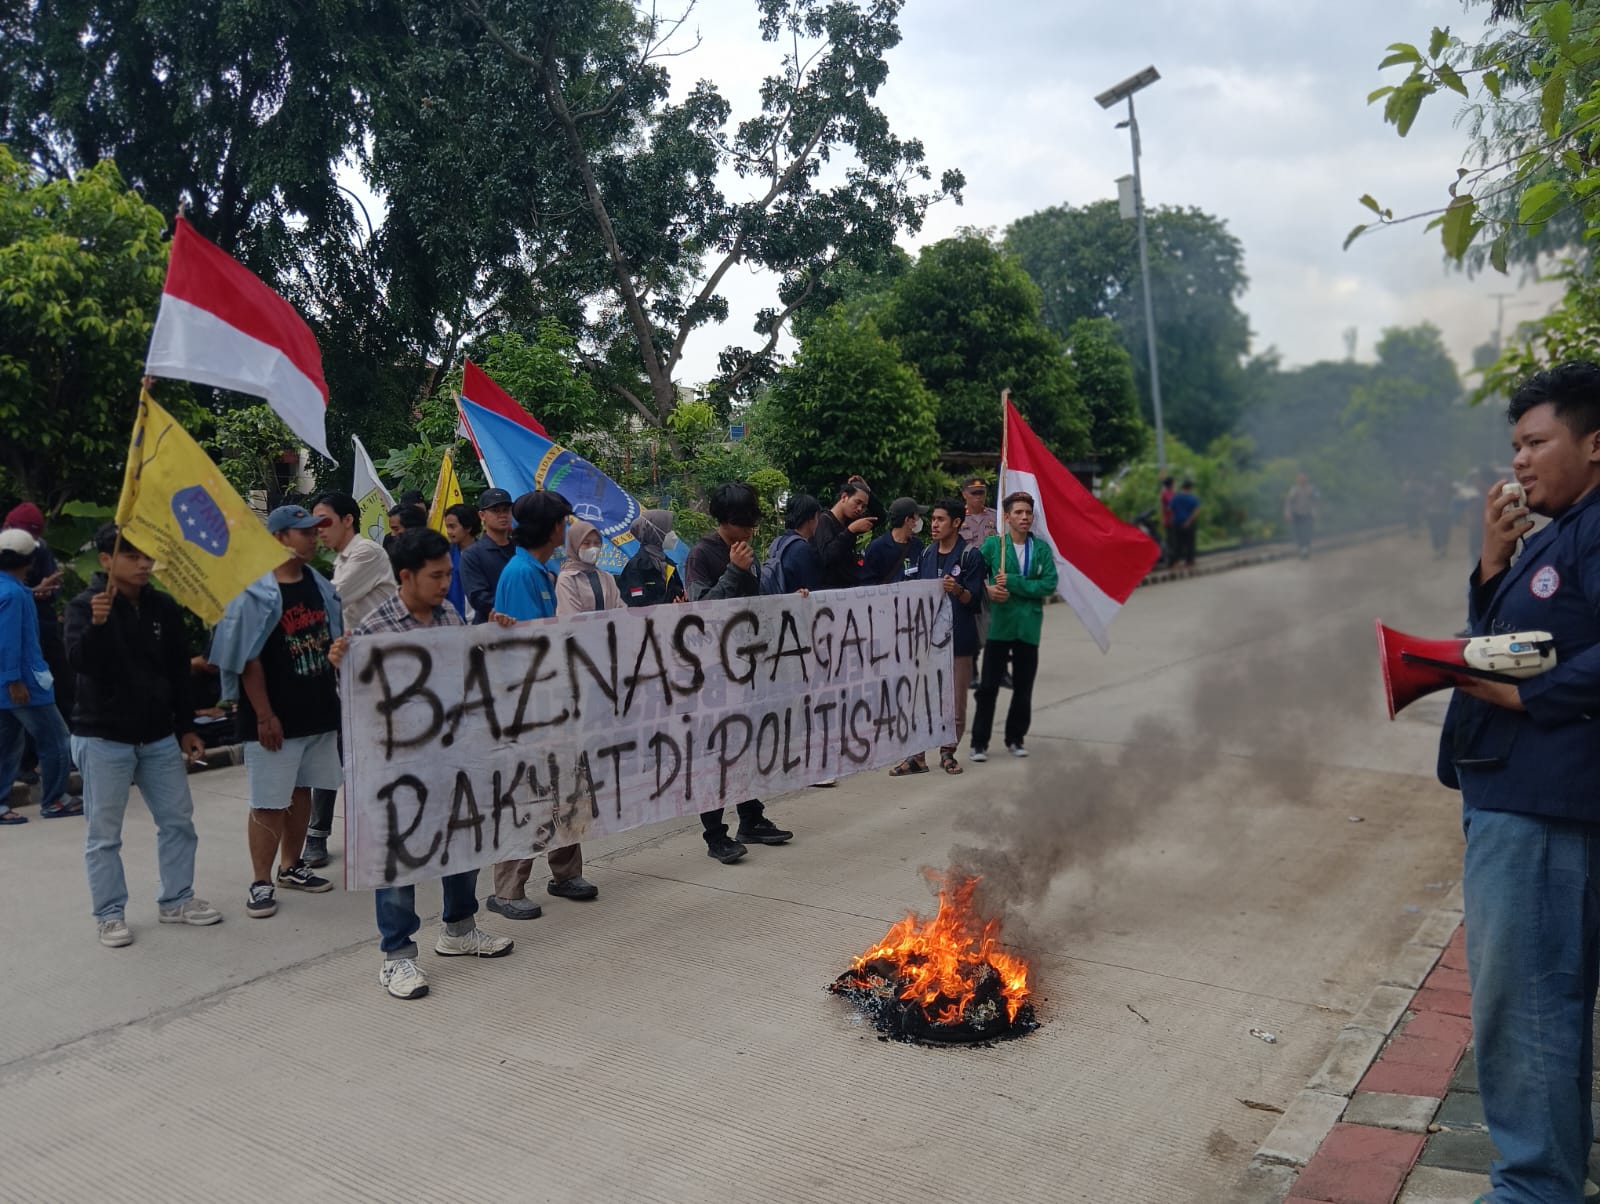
x=49, y=732
x=1532, y=890
x=109, y=768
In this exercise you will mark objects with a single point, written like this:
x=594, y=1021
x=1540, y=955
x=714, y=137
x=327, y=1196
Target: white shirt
x=363, y=579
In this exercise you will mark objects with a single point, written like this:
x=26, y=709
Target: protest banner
x=465, y=746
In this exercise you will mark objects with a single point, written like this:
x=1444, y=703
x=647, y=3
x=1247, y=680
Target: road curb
x=1265, y=554
x=1334, y=1127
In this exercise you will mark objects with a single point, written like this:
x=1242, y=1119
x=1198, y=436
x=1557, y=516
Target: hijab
x=650, y=529
x=577, y=532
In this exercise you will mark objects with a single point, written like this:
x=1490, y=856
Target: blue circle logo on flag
x=201, y=520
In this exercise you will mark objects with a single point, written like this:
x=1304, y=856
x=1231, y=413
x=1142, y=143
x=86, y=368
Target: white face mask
x=670, y=542
x=588, y=555
x=916, y=527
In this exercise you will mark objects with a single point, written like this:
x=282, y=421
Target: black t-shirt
x=301, y=683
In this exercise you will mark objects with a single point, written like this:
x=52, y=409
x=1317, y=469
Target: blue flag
x=517, y=460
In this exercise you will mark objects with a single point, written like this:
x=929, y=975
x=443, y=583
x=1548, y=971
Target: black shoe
x=514, y=909
x=580, y=889
x=764, y=831
x=1005, y=682
x=299, y=877
x=724, y=850
x=316, y=852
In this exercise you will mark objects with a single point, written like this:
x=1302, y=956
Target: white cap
x=17, y=542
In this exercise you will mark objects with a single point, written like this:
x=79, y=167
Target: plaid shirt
x=393, y=616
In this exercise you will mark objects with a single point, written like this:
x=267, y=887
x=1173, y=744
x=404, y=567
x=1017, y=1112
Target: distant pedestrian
x=1022, y=574
x=722, y=565
x=422, y=564
x=133, y=725
x=961, y=572
x=1439, y=508
x=650, y=577
x=272, y=648
x=1168, y=491
x=893, y=556
x=461, y=529
x=483, y=562
x=1185, y=508
x=28, y=706
x=1300, y=512
x=44, y=580
x=527, y=591
x=834, y=540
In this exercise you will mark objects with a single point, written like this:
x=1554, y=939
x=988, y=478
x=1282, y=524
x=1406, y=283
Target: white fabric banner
x=468, y=746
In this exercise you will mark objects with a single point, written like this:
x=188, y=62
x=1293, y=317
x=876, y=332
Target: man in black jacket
x=132, y=723
x=835, y=536
x=722, y=565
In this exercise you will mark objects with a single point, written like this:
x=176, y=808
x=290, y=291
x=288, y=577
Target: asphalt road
x=1219, y=831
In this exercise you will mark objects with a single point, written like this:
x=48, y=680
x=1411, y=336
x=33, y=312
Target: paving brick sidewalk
x=1391, y=1116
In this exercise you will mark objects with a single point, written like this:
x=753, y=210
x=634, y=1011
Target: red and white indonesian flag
x=1100, y=559
x=219, y=325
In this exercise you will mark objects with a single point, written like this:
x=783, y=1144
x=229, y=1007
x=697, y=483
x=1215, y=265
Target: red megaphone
x=1413, y=667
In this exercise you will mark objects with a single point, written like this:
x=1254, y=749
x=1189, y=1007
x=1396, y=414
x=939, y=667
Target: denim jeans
x=49, y=732
x=109, y=768
x=1532, y=890
x=397, y=913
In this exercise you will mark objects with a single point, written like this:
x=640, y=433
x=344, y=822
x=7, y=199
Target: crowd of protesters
x=110, y=685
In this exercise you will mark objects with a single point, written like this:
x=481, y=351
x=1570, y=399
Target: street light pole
x=1125, y=91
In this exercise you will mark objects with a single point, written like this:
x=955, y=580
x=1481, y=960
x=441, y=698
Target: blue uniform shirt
x=527, y=589
x=1545, y=760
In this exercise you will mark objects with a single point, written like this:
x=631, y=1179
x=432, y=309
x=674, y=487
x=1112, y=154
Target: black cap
x=493, y=497
x=903, y=508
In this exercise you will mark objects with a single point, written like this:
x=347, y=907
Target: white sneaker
x=476, y=943
x=114, y=934
x=1016, y=750
x=978, y=755
x=402, y=979
x=191, y=911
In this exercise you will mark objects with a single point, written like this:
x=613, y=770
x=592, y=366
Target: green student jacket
x=1021, y=616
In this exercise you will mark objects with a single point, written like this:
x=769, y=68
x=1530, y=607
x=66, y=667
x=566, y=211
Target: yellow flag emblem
x=177, y=507
x=446, y=493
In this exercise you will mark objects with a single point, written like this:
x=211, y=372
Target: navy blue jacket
x=1546, y=760
x=966, y=564
x=481, y=566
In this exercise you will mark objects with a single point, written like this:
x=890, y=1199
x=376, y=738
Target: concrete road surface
x=1182, y=847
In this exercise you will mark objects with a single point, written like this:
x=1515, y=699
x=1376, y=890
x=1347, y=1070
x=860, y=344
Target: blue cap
x=290, y=518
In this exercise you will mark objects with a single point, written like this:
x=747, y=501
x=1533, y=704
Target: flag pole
x=1000, y=478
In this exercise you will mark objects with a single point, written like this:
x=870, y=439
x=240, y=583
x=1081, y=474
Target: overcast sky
x=1260, y=118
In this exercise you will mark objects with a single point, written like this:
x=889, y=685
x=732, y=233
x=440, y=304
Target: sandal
x=948, y=763
x=62, y=808
x=909, y=766
x=13, y=817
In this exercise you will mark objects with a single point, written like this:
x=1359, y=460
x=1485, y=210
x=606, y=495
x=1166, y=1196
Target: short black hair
x=413, y=497
x=411, y=519
x=854, y=486
x=413, y=549
x=105, y=540
x=736, y=503
x=800, y=509
x=1572, y=388
x=953, y=509
x=537, y=514
x=341, y=504
x=467, y=516
x=1013, y=498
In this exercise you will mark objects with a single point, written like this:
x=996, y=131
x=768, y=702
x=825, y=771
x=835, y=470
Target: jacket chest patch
x=1545, y=582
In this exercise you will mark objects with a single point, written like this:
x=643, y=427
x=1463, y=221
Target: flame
x=940, y=960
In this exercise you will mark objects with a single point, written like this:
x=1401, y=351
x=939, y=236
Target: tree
x=81, y=265
x=1105, y=383
x=654, y=211
x=966, y=317
x=1410, y=409
x=1086, y=264
x=849, y=404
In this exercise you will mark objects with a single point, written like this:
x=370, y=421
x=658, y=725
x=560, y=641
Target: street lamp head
x=1127, y=87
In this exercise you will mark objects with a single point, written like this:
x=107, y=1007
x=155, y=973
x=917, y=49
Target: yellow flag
x=446, y=493
x=177, y=506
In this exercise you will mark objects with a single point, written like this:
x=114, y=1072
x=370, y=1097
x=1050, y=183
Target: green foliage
x=544, y=375
x=1412, y=401
x=1570, y=331
x=81, y=265
x=1086, y=264
x=850, y=404
x=1105, y=382
x=247, y=443
x=966, y=317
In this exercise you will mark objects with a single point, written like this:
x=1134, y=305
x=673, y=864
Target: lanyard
x=1027, y=553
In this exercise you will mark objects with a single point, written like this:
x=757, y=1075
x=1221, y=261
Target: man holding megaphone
x=1525, y=755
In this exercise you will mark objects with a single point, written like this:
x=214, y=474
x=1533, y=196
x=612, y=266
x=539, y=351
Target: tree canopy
x=1086, y=263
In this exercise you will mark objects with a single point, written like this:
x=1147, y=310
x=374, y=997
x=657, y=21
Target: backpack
x=772, y=578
